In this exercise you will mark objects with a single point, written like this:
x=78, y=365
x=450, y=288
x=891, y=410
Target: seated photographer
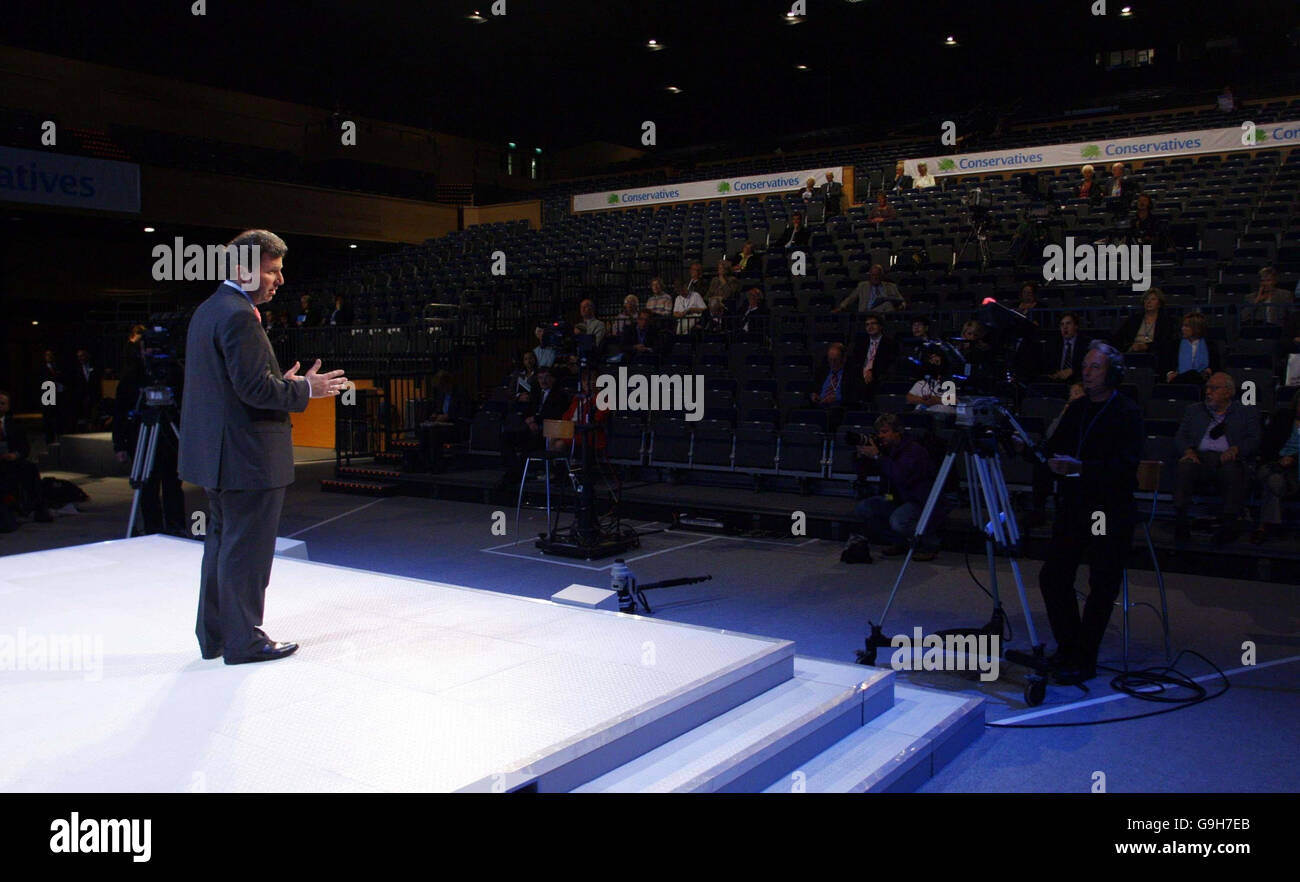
x=162, y=500
x=589, y=324
x=908, y=471
x=1279, y=474
x=642, y=337
x=19, y=476
x=1216, y=437
x=522, y=434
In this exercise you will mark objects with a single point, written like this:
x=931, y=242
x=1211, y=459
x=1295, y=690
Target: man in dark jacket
x=1214, y=440
x=546, y=402
x=908, y=470
x=1063, y=359
x=1095, y=449
x=641, y=337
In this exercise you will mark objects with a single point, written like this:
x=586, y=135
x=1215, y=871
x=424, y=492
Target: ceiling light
x=148, y=229
x=352, y=245
x=951, y=41
x=1126, y=12
x=674, y=90
x=801, y=67
x=654, y=45
x=476, y=17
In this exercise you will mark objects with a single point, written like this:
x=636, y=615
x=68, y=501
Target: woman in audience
x=1279, y=473
x=809, y=190
x=1271, y=303
x=924, y=179
x=544, y=354
x=631, y=306
x=882, y=211
x=1029, y=306
x=1197, y=359
x=1088, y=188
x=523, y=380
x=1153, y=330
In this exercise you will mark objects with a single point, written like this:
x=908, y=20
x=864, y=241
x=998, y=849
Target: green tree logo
x=1260, y=135
x=613, y=199
x=724, y=187
x=1092, y=151
x=947, y=165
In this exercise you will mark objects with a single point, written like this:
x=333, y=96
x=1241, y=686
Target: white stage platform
x=407, y=685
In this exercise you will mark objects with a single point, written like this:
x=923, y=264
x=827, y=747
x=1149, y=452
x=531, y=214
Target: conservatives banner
x=70, y=181
x=691, y=191
x=1105, y=152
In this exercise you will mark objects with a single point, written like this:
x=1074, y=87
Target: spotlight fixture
x=951, y=41
x=353, y=245
x=791, y=19
x=801, y=67
x=674, y=90
x=654, y=45
x=477, y=17
x=148, y=229
x=1126, y=12
x=35, y=322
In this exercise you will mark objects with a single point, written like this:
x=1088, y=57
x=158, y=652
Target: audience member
x=87, y=391
x=1196, y=358
x=50, y=392
x=754, y=318
x=1088, y=188
x=725, y=286
x=308, y=315
x=882, y=211
x=697, y=283
x=901, y=180
x=660, y=302
x=641, y=336
x=1065, y=352
x=746, y=260
x=908, y=472
x=876, y=355
x=524, y=379
x=837, y=383
x=342, y=313
x=924, y=180
x=626, y=318
x=809, y=191
x=1279, y=474
x=1153, y=330
x=688, y=307
x=1227, y=101
x=545, y=354
x=589, y=324
x=796, y=235
x=19, y=476
x=927, y=393
x=1146, y=228
x=715, y=320
x=873, y=294
x=524, y=435
x=832, y=193
x=1271, y=304
x=1216, y=437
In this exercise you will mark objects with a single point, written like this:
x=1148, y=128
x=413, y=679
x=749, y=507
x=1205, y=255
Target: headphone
x=1114, y=364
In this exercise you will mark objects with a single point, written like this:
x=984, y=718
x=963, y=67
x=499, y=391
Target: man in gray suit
x=236, y=444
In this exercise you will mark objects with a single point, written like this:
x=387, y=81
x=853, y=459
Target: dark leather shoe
x=268, y=651
x=212, y=653
x=894, y=550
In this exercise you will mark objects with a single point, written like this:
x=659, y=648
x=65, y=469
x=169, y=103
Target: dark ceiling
x=558, y=73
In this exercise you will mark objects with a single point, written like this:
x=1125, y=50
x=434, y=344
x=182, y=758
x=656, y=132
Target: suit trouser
x=237, y=555
x=1079, y=637
x=1230, y=477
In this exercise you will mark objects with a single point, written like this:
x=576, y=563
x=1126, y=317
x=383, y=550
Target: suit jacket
x=753, y=267
x=832, y=194
x=900, y=183
x=886, y=355
x=630, y=338
x=746, y=321
x=16, y=437
x=1241, y=422
x=853, y=391
x=795, y=238
x=1055, y=346
x=343, y=316
x=889, y=299
x=235, y=431
x=1165, y=345
x=88, y=390
x=557, y=402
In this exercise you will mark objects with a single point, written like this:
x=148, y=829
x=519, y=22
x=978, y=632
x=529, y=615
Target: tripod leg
x=141, y=469
x=922, y=522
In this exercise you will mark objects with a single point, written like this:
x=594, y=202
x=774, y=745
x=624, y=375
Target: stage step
x=749, y=746
x=358, y=488
x=368, y=473
x=388, y=457
x=897, y=751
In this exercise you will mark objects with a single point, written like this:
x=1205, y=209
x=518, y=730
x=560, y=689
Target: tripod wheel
x=1035, y=689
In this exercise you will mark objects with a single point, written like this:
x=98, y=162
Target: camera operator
x=150, y=366
x=908, y=470
x=1095, y=449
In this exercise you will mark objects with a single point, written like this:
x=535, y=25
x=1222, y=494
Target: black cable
x=1162, y=677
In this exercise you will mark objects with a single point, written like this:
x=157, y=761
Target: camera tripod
x=989, y=498
x=980, y=238
x=159, y=409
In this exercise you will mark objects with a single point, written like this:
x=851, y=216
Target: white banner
x=691, y=191
x=72, y=181
x=1103, y=153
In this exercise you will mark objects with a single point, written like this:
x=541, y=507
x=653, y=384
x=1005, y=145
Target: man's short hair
x=1114, y=358
x=889, y=421
x=1070, y=315
x=836, y=345
x=267, y=243
x=874, y=317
